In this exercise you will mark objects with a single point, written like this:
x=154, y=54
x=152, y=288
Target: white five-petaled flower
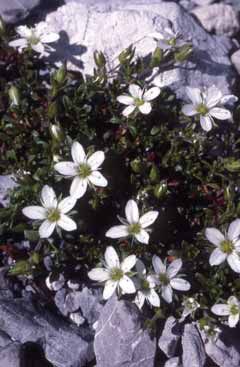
x=52, y=212
x=145, y=287
x=230, y=309
x=165, y=278
x=167, y=39
x=36, y=38
x=84, y=170
x=227, y=246
x=115, y=274
x=204, y=104
x=133, y=225
x=138, y=98
x=190, y=306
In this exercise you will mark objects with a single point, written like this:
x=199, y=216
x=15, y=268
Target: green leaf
x=31, y=235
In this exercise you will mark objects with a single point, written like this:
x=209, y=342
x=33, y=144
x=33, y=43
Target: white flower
x=165, y=278
x=84, y=170
x=139, y=98
x=145, y=286
x=35, y=38
x=204, y=104
x=190, y=306
x=231, y=309
x=133, y=225
x=52, y=212
x=227, y=247
x=53, y=283
x=115, y=273
x=167, y=39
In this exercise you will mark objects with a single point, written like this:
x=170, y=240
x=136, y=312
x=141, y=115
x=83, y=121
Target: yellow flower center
x=53, y=215
x=145, y=285
x=226, y=246
x=116, y=274
x=202, y=109
x=134, y=229
x=163, y=278
x=234, y=310
x=138, y=102
x=84, y=170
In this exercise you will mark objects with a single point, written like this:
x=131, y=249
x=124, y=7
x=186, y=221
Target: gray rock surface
x=13, y=11
x=120, y=339
x=193, y=349
x=220, y=18
x=6, y=184
x=4, y=339
x=170, y=338
x=10, y=355
x=90, y=305
x=235, y=58
x=64, y=345
x=173, y=362
x=130, y=23
x=225, y=351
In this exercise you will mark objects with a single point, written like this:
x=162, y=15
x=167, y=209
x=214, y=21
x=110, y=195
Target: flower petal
x=234, y=262
x=127, y=285
x=233, y=320
x=158, y=265
x=153, y=298
x=174, y=268
x=214, y=236
x=49, y=37
x=189, y=110
x=135, y=91
x=194, y=94
x=132, y=212
x=220, y=113
x=21, y=42
x=220, y=309
x=78, y=187
x=117, y=232
x=98, y=274
x=35, y=212
x=128, y=110
x=180, y=284
x=97, y=179
x=142, y=237
x=125, y=99
x=213, y=96
x=141, y=269
x=151, y=94
x=145, y=108
x=96, y=159
x=24, y=31
x=48, y=197
x=46, y=229
x=217, y=257
x=78, y=154
x=128, y=263
x=66, y=223
x=109, y=289
x=148, y=218
x=234, y=230
x=167, y=293
x=111, y=257
x=66, y=168
x=39, y=47
x=139, y=299
x=206, y=122
x=66, y=204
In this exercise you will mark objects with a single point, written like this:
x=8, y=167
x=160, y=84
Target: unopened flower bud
x=56, y=132
x=14, y=95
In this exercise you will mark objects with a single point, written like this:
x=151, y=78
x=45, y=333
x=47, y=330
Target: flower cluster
x=120, y=276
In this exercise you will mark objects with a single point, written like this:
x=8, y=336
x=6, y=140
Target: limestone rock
x=118, y=26
x=235, y=58
x=170, y=338
x=6, y=184
x=15, y=10
x=173, y=362
x=220, y=18
x=193, y=349
x=10, y=355
x=120, y=339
